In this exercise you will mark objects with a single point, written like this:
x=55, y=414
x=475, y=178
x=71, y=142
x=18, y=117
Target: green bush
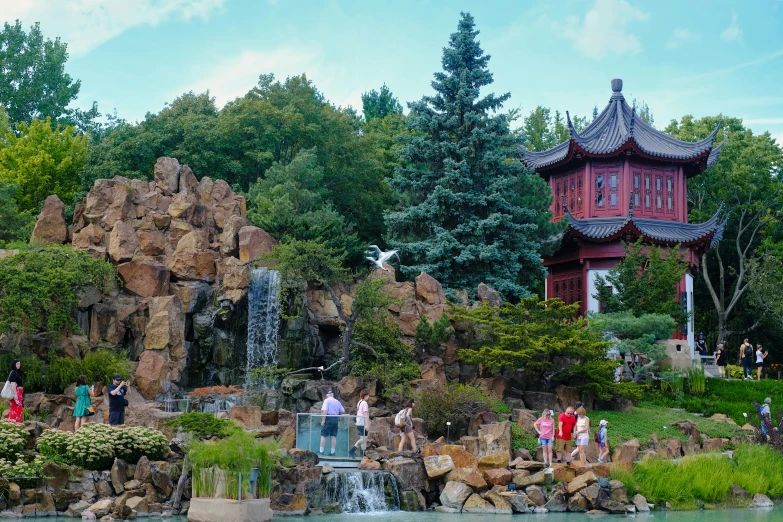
x=457, y=404
x=132, y=443
x=94, y=446
x=12, y=439
x=520, y=439
x=54, y=444
x=203, y=425
x=22, y=468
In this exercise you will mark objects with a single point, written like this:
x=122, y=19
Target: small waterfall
x=363, y=491
x=263, y=323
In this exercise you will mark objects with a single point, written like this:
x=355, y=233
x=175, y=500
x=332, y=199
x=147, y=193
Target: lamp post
x=448, y=432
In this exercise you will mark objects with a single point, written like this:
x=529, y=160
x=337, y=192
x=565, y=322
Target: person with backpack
x=545, y=427
x=766, y=417
x=746, y=354
x=330, y=421
x=582, y=433
x=404, y=421
x=14, y=392
x=362, y=423
x=603, y=442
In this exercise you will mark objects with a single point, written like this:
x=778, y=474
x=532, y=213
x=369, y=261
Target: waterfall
x=363, y=491
x=263, y=322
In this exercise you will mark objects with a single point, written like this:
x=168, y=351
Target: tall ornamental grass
x=706, y=479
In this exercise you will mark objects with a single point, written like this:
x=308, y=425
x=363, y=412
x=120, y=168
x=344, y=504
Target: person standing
x=545, y=427
x=722, y=359
x=17, y=385
x=83, y=394
x=746, y=356
x=603, y=441
x=329, y=421
x=582, y=433
x=760, y=356
x=701, y=346
x=117, y=401
x=565, y=434
x=407, y=431
x=362, y=423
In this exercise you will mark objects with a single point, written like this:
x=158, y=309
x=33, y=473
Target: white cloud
x=604, y=29
x=778, y=138
x=679, y=36
x=233, y=78
x=733, y=32
x=86, y=24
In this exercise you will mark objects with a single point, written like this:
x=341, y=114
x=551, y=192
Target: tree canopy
x=379, y=104
x=458, y=221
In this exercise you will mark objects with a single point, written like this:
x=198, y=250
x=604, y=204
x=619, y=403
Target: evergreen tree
x=379, y=104
x=459, y=223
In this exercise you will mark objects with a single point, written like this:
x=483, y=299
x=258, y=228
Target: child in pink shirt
x=545, y=427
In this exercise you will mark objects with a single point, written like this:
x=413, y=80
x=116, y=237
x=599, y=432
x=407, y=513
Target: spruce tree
x=458, y=220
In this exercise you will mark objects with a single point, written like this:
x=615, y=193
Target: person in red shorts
x=563, y=436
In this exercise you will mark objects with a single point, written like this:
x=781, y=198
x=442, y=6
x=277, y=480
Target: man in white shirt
x=329, y=421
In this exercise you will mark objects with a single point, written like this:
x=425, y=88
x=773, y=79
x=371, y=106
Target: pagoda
x=618, y=180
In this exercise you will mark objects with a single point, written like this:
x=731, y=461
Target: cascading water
x=263, y=323
x=362, y=491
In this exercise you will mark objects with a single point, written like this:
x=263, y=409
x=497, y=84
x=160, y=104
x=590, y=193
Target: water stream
x=263, y=324
x=362, y=491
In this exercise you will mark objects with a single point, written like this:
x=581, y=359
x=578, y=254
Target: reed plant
x=697, y=381
x=706, y=480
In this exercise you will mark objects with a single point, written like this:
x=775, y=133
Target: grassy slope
x=648, y=419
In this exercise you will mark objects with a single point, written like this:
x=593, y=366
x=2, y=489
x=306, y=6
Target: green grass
x=706, y=480
x=646, y=420
x=730, y=397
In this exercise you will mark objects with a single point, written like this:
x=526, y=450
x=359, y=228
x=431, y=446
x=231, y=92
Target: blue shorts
x=544, y=442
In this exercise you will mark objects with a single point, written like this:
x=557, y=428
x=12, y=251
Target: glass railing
x=310, y=427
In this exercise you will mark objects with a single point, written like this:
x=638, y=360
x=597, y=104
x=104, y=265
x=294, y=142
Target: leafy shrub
x=102, y=364
x=39, y=287
x=457, y=404
x=520, y=439
x=203, y=425
x=54, y=443
x=12, y=439
x=499, y=407
x=22, y=468
x=132, y=443
x=430, y=336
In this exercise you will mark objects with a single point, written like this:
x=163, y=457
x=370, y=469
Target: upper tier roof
x=616, y=129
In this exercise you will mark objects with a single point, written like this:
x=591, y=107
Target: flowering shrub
x=54, y=443
x=130, y=444
x=12, y=437
x=92, y=446
x=31, y=470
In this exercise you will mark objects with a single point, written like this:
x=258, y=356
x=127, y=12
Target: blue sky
x=698, y=57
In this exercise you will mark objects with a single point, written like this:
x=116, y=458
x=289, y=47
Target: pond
x=726, y=515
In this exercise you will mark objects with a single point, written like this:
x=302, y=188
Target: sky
x=700, y=57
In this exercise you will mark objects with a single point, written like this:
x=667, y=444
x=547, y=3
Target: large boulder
x=145, y=277
x=557, y=503
x=495, y=438
x=233, y=274
x=119, y=475
x=410, y=473
x=247, y=416
x=123, y=242
x=429, y=289
x=502, y=506
x=489, y=295
x=640, y=503
x=166, y=328
x=151, y=374
x=577, y=503
x=581, y=482
x=493, y=460
x=90, y=235
x=455, y=494
x=432, y=369
x=229, y=238
x=51, y=227
x=438, y=465
x=192, y=260
x=540, y=401
x=536, y=495
x=761, y=501
x=476, y=504
x=459, y=455
x=253, y=242
x=167, y=171
x=498, y=477
x=470, y=476
x=152, y=242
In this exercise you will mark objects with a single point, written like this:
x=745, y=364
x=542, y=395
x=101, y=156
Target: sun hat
x=603, y=422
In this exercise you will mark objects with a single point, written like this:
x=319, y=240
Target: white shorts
x=583, y=442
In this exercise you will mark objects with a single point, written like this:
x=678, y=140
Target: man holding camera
x=117, y=401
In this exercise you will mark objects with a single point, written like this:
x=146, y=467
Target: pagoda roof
x=618, y=129
x=653, y=230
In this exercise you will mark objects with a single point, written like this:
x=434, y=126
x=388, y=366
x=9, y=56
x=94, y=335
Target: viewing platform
x=308, y=436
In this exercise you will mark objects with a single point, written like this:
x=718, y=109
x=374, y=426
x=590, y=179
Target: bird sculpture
x=382, y=257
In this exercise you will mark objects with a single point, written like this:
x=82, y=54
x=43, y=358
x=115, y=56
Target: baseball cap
x=117, y=377
x=603, y=422
x=330, y=392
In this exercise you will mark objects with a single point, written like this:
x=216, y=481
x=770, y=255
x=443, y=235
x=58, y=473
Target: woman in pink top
x=362, y=423
x=545, y=427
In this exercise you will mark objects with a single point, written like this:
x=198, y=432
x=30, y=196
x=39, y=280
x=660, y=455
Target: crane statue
x=382, y=257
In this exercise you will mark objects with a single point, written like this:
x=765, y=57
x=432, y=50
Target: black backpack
x=748, y=351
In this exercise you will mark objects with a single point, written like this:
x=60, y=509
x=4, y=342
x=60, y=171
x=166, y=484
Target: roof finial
x=630, y=204
x=617, y=85
x=571, y=129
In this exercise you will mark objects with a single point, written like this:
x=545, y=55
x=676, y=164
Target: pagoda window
x=658, y=193
x=573, y=193
x=647, y=191
x=579, y=193
x=669, y=194
x=613, y=200
x=636, y=187
x=599, y=191
x=557, y=199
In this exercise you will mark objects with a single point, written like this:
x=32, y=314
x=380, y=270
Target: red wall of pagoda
x=604, y=188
